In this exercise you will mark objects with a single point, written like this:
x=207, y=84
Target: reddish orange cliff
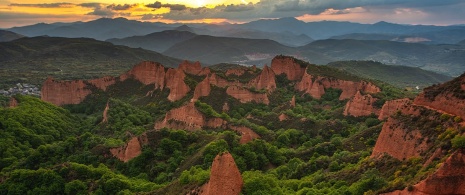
x=105, y=113
x=190, y=68
x=244, y=95
x=13, y=103
x=448, y=97
x=202, y=89
x=103, y=83
x=225, y=178
x=448, y=179
x=287, y=66
x=64, y=92
x=189, y=118
x=399, y=142
x=390, y=107
x=175, y=82
x=265, y=80
x=360, y=105
x=247, y=134
x=129, y=151
x=147, y=73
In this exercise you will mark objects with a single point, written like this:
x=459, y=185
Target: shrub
x=458, y=142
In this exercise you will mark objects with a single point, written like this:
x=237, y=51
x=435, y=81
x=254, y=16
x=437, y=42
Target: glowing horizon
x=27, y=12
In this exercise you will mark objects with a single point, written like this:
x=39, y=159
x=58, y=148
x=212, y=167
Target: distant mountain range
x=399, y=76
x=435, y=48
x=6, y=36
x=31, y=60
x=158, y=41
x=214, y=50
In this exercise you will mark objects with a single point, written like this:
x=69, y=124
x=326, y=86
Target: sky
x=428, y=12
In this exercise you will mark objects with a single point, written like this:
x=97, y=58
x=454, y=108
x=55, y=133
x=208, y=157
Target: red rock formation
x=288, y=66
x=390, y=107
x=447, y=97
x=225, y=178
x=220, y=82
x=175, y=82
x=129, y=151
x=189, y=118
x=205, y=71
x=202, y=89
x=13, y=103
x=103, y=83
x=265, y=80
x=448, y=179
x=292, y=102
x=283, y=117
x=190, y=68
x=105, y=113
x=147, y=73
x=244, y=95
x=360, y=105
x=235, y=71
x=64, y=92
x=247, y=134
x=315, y=86
x=396, y=140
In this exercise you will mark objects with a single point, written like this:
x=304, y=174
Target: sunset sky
x=437, y=12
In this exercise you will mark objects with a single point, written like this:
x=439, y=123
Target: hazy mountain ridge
x=158, y=41
x=33, y=59
x=6, y=36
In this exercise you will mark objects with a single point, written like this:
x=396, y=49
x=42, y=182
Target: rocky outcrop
x=189, y=118
x=244, y=95
x=221, y=82
x=292, y=102
x=190, y=68
x=448, y=179
x=147, y=73
x=288, y=66
x=447, y=97
x=390, y=107
x=64, y=92
x=13, y=103
x=103, y=83
x=205, y=71
x=202, y=89
x=265, y=80
x=105, y=113
x=283, y=117
x=397, y=140
x=247, y=134
x=129, y=151
x=360, y=105
x=225, y=107
x=175, y=82
x=225, y=178
x=315, y=86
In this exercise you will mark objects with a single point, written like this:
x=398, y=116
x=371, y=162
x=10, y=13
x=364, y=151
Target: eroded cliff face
x=189, y=118
x=129, y=151
x=448, y=179
x=202, y=89
x=391, y=107
x=247, y=134
x=292, y=102
x=315, y=86
x=265, y=80
x=64, y=92
x=360, y=105
x=175, y=82
x=225, y=178
x=103, y=83
x=190, y=68
x=399, y=141
x=105, y=113
x=288, y=66
x=147, y=73
x=447, y=97
x=13, y=103
x=244, y=95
